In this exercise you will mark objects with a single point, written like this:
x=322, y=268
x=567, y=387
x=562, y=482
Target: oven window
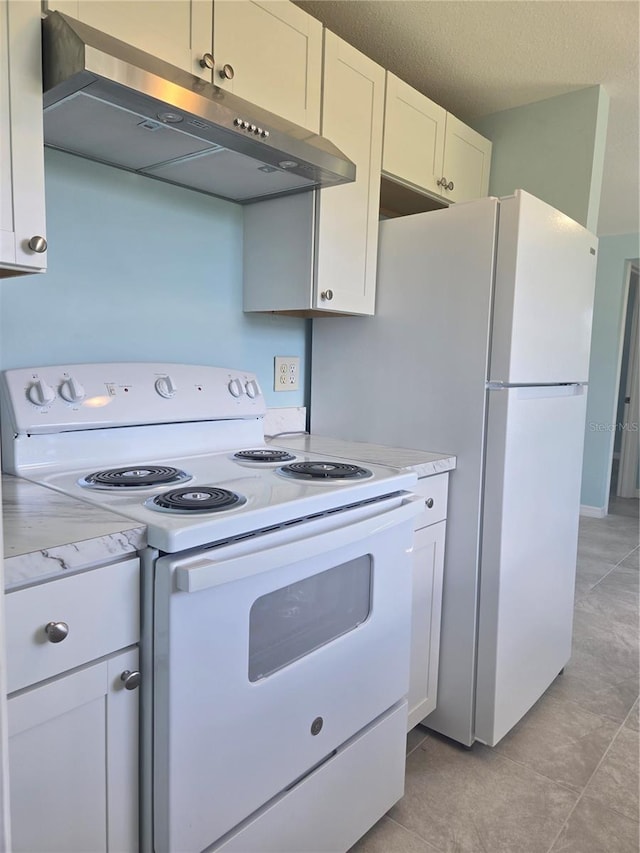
x=291, y=622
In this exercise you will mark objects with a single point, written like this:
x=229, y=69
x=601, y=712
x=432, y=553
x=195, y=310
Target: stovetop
x=112, y=435
x=267, y=496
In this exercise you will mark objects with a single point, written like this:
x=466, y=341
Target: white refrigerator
x=480, y=347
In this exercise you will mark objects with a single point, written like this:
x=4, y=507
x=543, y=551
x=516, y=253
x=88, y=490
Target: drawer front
x=434, y=491
x=100, y=608
x=293, y=822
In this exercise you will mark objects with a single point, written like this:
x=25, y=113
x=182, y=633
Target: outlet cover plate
x=286, y=373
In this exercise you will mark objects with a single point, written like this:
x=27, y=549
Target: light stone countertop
x=47, y=533
x=425, y=463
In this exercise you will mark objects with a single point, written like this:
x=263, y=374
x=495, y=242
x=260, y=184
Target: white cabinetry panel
x=428, y=575
x=177, y=31
x=428, y=569
x=100, y=609
x=22, y=205
x=353, y=105
x=275, y=50
x=315, y=254
x=73, y=762
x=414, y=129
x=429, y=149
x=467, y=160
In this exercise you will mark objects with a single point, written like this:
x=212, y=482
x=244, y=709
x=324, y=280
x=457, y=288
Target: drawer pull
x=429, y=503
x=56, y=631
x=130, y=679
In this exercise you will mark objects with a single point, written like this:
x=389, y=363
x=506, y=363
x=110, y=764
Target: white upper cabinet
x=315, y=253
x=22, y=206
x=429, y=149
x=177, y=31
x=269, y=52
x=352, y=118
x=467, y=160
x=414, y=129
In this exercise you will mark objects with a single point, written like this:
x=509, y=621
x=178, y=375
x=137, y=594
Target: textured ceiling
x=476, y=57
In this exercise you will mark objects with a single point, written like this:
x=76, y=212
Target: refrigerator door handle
x=501, y=386
x=536, y=392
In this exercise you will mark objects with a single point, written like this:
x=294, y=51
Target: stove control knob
x=165, y=387
x=71, y=390
x=235, y=388
x=40, y=393
x=253, y=389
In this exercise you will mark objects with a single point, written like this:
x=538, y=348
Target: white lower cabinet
x=428, y=569
x=73, y=762
x=73, y=729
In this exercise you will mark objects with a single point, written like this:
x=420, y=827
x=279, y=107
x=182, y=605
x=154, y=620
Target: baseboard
x=593, y=511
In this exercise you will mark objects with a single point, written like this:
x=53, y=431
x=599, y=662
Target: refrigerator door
x=529, y=541
x=545, y=279
x=414, y=376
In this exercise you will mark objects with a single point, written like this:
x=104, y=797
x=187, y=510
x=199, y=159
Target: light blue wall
x=611, y=279
x=140, y=270
x=554, y=149
x=624, y=369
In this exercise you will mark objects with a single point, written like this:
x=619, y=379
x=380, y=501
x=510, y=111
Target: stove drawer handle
x=204, y=573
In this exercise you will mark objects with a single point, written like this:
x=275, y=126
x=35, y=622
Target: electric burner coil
x=323, y=470
x=135, y=477
x=196, y=499
x=263, y=454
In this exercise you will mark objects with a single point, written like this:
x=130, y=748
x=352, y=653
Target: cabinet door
x=467, y=161
x=177, y=31
x=347, y=231
x=275, y=51
x=73, y=762
x=22, y=205
x=414, y=129
x=428, y=567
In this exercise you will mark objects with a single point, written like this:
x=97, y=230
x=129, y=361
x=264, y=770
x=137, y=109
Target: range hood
x=110, y=102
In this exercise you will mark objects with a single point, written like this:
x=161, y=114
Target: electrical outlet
x=286, y=374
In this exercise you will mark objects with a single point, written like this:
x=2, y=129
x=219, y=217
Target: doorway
x=624, y=486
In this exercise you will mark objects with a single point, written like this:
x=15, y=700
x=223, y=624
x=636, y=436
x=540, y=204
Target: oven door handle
x=206, y=573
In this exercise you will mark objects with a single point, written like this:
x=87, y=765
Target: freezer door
x=529, y=543
x=545, y=279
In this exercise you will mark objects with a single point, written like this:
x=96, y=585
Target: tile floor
x=565, y=779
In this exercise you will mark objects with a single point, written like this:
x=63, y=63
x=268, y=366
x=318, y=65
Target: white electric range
x=276, y=597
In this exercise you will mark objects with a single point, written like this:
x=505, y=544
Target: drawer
x=434, y=491
x=101, y=609
x=320, y=812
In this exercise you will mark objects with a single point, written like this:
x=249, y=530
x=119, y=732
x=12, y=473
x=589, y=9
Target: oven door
x=269, y=654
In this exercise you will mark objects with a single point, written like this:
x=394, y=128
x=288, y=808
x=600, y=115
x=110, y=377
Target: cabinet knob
x=227, y=72
x=207, y=61
x=38, y=244
x=327, y=294
x=56, y=631
x=130, y=679
x=444, y=183
x=429, y=502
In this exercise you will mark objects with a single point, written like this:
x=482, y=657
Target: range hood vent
x=113, y=103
